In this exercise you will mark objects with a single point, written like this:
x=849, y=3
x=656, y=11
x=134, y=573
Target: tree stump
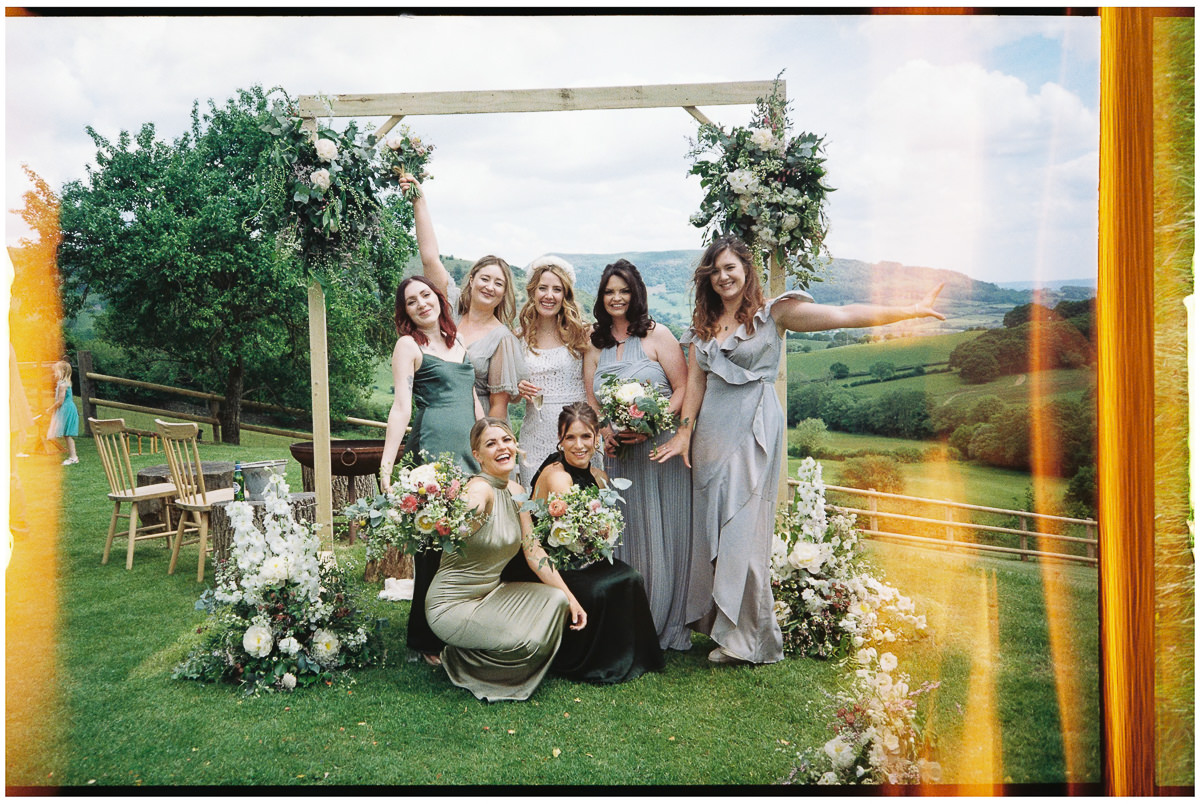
x=217, y=475
x=220, y=529
x=394, y=564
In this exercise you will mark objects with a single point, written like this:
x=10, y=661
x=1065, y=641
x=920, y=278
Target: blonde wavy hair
x=507, y=308
x=571, y=329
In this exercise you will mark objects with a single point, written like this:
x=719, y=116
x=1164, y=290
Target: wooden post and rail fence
x=88, y=395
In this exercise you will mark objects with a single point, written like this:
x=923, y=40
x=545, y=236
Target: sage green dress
x=442, y=421
x=500, y=637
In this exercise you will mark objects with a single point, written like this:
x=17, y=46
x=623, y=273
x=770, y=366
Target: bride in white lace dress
x=555, y=339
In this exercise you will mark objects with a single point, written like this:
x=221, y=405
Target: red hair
x=405, y=325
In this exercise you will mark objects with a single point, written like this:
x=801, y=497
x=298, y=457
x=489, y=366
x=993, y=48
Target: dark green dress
x=619, y=642
x=445, y=413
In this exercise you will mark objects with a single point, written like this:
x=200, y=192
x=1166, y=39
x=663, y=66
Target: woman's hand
x=578, y=615
x=406, y=180
x=527, y=390
x=924, y=308
x=680, y=444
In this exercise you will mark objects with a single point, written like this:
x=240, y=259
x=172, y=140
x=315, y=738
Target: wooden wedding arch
x=397, y=106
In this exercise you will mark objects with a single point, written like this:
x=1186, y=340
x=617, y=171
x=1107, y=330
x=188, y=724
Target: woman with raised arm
x=733, y=434
x=429, y=367
x=555, y=339
x=620, y=643
x=628, y=343
x=500, y=637
x=483, y=312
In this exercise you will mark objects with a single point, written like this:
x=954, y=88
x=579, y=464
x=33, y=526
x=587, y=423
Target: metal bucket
x=255, y=475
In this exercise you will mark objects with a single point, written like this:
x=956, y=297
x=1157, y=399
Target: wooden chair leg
x=133, y=523
x=203, y=545
x=167, y=517
x=112, y=531
x=178, y=541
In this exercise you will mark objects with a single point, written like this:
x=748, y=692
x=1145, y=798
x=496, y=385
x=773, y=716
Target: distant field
x=861, y=356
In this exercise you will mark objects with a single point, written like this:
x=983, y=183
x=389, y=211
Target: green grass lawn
x=861, y=356
x=108, y=713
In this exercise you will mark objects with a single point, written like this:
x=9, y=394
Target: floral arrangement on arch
x=829, y=605
x=405, y=152
x=634, y=406
x=425, y=508
x=279, y=617
x=579, y=526
x=324, y=185
x=764, y=186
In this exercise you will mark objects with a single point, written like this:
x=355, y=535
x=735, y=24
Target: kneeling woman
x=500, y=637
x=621, y=642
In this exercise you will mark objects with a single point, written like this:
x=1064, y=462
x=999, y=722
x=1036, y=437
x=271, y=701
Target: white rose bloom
x=288, y=682
x=289, y=645
x=840, y=752
x=763, y=138
x=424, y=474
x=888, y=636
x=258, y=641
x=395, y=142
x=865, y=656
x=891, y=742
x=628, y=392
x=275, y=569
x=321, y=179
x=887, y=662
x=807, y=556
x=742, y=182
x=829, y=777
x=325, y=646
x=789, y=222
x=327, y=150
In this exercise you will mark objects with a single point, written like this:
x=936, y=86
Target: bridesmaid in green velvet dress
x=429, y=367
x=500, y=636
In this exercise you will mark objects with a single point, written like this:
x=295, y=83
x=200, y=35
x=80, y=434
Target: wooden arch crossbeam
x=398, y=105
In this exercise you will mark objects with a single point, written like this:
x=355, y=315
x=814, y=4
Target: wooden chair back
x=113, y=445
x=183, y=457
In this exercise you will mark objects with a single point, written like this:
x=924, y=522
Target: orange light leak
x=32, y=716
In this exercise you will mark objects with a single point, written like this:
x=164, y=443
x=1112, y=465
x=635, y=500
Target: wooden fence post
x=1091, y=534
x=214, y=410
x=873, y=506
x=949, y=526
x=1024, y=538
x=87, y=389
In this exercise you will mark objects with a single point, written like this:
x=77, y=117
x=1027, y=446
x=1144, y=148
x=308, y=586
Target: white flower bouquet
x=580, y=526
x=404, y=152
x=279, y=617
x=426, y=508
x=634, y=406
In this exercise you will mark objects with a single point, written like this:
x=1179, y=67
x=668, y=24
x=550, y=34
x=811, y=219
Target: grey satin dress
x=657, y=507
x=500, y=637
x=736, y=459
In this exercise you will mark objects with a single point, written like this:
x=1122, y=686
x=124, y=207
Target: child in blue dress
x=64, y=423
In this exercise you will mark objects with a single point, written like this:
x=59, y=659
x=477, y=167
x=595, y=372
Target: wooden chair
x=112, y=442
x=183, y=457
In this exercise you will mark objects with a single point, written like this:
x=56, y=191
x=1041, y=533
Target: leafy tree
x=873, y=472
x=1024, y=313
x=164, y=233
x=960, y=439
x=1081, y=492
x=807, y=438
x=883, y=370
x=35, y=315
x=986, y=407
x=839, y=370
x=977, y=367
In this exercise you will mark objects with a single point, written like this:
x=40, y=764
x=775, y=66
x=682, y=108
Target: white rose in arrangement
x=891, y=742
x=425, y=475
x=887, y=662
x=629, y=392
x=288, y=682
x=395, y=142
x=258, y=641
x=828, y=777
x=321, y=179
x=764, y=139
x=742, y=181
x=865, y=656
x=782, y=612
x=289, y=645
x=789, y=222
x=274, y=569
x=325, y=646
x=327, y=150
x=840, y=752
x=807, y=556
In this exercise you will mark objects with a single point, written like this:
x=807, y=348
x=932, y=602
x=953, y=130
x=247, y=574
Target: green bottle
x=239, y=485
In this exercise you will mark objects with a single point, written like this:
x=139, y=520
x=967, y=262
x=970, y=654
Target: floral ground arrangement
x=106, y=711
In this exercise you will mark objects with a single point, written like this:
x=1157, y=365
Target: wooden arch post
x=396, y=106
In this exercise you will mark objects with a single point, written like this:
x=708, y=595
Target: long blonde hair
x=62, y=372
x=507, y=308
x=571, y=329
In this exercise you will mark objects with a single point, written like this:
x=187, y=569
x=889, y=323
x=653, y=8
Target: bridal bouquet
x=579, y=526
x=404, y=152
x=279, y=616
x=634, y=406
x=426, y=508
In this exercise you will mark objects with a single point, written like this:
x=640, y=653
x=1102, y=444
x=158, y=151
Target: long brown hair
x=571, y=329
x=405, y=325
x=507, y=308
x=708, y=304
x=637, y=313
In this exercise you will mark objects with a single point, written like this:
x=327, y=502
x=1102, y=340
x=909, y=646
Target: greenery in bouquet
x=827, y=601
x=404, y=152
x=634, y=406
x=766, y=187
x=279, y=617
x=323, y=188
x=579, y=526
x=426, y=508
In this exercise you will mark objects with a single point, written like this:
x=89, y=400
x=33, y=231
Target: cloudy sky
x=965, y=143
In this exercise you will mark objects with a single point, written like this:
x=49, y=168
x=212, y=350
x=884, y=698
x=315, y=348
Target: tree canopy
x=192, y=286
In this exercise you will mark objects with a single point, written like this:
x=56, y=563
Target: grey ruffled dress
x=736, y=459
x=657, y=507
x=500, y=637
